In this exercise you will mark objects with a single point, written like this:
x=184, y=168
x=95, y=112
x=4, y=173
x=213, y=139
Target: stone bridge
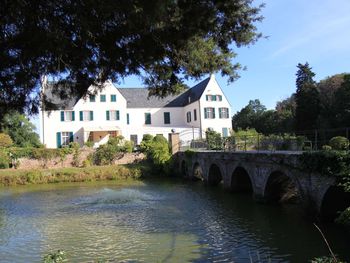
x=270, y=177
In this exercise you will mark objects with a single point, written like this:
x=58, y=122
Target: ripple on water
x=152, y=223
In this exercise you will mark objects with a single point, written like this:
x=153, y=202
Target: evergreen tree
x=307, y=99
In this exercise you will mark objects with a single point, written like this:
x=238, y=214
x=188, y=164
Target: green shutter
x=166, y=117
x=205, y=113
x=213, y=97
x=58, y=139
x=118, y=116
x=127, y=118
x=81, y=115
x=107, y=115
x=213, y=113
x=62, y=115
x=147, y=118
x=220, y=113
x=91, y=115
x=73, y=115
x=207, y=97
x=71, y=137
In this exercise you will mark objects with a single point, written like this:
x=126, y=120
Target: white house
x=131, y=113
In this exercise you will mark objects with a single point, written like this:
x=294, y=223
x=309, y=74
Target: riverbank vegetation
x=10, y=177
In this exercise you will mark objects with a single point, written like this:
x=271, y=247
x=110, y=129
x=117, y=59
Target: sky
x=296, y=31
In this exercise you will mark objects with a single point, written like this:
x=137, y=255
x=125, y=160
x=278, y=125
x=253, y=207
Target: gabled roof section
x=58, y=98
x=138, y=97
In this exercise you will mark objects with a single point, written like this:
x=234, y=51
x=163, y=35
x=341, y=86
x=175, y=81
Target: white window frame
x=65, y=138
x=68, y=115
x=224, y=113
x=86, y=115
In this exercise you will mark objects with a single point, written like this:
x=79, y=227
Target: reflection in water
x=157, y=221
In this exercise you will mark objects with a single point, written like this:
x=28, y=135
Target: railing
x=312, y=140
x=249, y=143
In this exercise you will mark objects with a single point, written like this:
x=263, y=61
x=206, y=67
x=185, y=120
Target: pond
x=156, y=221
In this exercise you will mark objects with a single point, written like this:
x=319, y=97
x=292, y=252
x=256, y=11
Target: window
x=86, y=115
x=188, y=115
x=194, y=114
x=127, y=119
x=66, y=138
x=102, y=98
x=224, y=132
x=213, y=97
x=92, y=98
x=166, y=117
x=209, y=113
x=113, y=98
x=112, y=115
x=223, y=113
x=147, y=118
x=67, y=116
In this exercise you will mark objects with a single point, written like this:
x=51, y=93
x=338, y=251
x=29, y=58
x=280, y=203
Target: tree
x=285, y=111
x=20, y=129
x=79, y=43
x=342, y=103
x=247, y=117
x=328, y=88
x=307, y=99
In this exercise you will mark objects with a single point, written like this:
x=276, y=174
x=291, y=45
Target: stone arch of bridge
x=215, y=174
x=280, y=187
x=334, y=201
x=241, y=180
x=197, y=172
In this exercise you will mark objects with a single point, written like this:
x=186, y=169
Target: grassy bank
x=10, y=177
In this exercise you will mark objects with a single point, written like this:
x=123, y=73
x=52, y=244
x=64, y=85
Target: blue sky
x=316, y=31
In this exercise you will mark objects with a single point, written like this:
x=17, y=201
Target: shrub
x=128, y=146
x=4, y=160
x=214, y=140
x=326, y=147
x=89, y=144
x=5, y=140
x=146, y=143
x=157, y=150
x=76, y=153
x=344, y=218
x=339, y=143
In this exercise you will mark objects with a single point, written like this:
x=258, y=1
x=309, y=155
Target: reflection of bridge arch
x=334, y=201
x=197, y=172
x=280, y=188
x=215, y=175
x=241, y=181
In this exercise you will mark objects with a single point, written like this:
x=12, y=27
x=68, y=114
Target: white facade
x=98, y=120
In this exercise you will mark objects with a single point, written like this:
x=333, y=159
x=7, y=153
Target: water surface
x=155, y=221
